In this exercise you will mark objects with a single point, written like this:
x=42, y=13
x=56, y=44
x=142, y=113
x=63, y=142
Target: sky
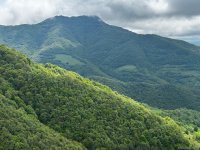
x=170, y=18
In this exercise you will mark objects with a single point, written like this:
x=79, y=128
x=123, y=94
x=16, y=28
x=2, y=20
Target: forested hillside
x=159, y=71
x=54, y=105
x=189, y=119
x=21, y=130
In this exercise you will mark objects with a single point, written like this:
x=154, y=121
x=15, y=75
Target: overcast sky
x=172, y=18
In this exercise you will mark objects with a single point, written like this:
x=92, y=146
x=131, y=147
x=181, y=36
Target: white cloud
x=172, y=26
x=158, y=6
x=27, y=11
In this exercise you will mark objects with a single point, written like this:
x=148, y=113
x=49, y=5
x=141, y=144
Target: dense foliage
x=187, y=118
x=77, y=109
x=159, y=71
x=21, y=130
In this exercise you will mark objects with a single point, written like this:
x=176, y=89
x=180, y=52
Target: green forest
x=47, y=107
x=159, y=71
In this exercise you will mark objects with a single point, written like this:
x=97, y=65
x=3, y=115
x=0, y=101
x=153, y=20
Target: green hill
x=159, y=71
x=20, y=130
x=53, y=105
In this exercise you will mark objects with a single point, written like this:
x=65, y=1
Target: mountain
x=155, y=70
x=46, y=107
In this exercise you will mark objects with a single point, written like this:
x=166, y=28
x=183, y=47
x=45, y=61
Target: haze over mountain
x=46, y=107
x=159, y=71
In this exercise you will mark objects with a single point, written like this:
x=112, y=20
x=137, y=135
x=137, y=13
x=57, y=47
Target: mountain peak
x=96, y=18
x=84, y=18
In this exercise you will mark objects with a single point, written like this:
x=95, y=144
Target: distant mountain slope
x=77, y=108
x=159, y=71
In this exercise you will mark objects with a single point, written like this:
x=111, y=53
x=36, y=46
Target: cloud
x=172, y=18
x=186, y=8
x=173, y=26
x=137, y=9
x=27, y=11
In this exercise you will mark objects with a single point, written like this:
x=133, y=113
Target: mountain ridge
x=159, y=71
